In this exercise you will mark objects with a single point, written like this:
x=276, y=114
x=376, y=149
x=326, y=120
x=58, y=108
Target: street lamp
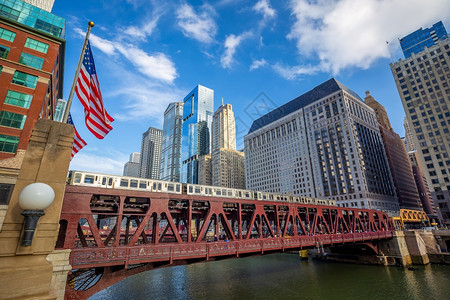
x=33, y=199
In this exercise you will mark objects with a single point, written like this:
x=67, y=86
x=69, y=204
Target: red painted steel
x=127, y=228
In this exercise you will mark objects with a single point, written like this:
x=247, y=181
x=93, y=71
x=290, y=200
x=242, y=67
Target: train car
x=122, y=182
x=159, y=186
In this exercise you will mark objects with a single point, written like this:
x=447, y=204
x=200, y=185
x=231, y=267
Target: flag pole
x=77, y=72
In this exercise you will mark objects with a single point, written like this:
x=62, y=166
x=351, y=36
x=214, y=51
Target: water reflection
x=283, y=276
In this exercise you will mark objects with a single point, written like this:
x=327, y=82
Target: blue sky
x=256, y=54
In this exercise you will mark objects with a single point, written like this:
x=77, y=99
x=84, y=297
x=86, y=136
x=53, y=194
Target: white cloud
x=293, y=72
x=156, y=65
x=256, y=64
x=104, y=45
x=263, y=7
x=141, y=32
x=144, y=100
x=231, y=43
x=348, y=33
x=200, y=27
x=109, y=163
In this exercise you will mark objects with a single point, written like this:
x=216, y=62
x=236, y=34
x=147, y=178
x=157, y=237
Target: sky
x=255, y=54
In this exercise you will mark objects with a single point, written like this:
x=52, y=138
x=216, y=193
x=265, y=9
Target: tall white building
x=171, y=144
x=227, y=164
x=150, y=153
x=324, y=144
x=43, y=4
x=131, y=167
x=409, y=143
x=423, y=83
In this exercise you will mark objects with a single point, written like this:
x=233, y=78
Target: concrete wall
x=24, y=271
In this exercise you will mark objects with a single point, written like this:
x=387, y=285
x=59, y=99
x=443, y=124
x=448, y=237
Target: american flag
x=78, y=142
x=88, y=91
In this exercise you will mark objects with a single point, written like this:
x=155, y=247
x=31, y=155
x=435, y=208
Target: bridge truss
x=128, y=231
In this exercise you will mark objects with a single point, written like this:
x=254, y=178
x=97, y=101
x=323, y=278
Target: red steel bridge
x=115, y=233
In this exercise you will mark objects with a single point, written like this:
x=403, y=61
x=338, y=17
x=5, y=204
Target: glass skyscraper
x=150, y=153
x=421, y=38
x=171, y=144
x=198, y=111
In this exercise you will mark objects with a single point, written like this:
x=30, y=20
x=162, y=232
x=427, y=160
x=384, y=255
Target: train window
x=110, y=181
x=77, y=178
x=170, y=188
x=190, y=189
x=154, y=186
x=218, y=193
x=178, y=188
x=142, y=184
x=230, y=193
x=103, y=180
x=159, y=186
x=88, y=179
x=124, y=182
x=133, y=183
x=197, y=190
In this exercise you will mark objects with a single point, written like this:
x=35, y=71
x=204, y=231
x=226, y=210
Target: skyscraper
x=417, y=41
x=228, y=165
x=171, y=144
x=398, y=159
x=42, y=4
x=150, y=153
x=422, y=186
x=131, y=167
x=204, y=170
x=408, y=136
x=423, y=81
x=60, y=110
x=325, y=143
x=198, y=112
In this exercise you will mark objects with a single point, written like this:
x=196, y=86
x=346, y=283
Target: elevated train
x=83, y=178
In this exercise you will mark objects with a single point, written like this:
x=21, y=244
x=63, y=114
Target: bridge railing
x=130, y=255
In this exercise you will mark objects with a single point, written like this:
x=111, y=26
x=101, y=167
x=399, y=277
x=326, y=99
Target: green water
x=283, y=276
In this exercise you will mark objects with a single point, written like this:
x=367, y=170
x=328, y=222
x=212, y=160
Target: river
x=283, y=276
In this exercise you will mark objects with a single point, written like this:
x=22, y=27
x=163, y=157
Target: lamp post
x=33, y=199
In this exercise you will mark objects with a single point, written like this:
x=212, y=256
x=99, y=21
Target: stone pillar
x=395, y=251
x=417, y=248
x=60, y=261
x=24, y=271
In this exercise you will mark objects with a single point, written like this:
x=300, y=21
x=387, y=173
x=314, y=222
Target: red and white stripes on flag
x=88, y=91
x=78, y=142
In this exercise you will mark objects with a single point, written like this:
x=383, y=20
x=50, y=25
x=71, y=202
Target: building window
x=36, y=45
x=7, y=35
x=4, y=51
x=10, y=119
x=31, y=60
x=8, y=143
x=5, y=193
x=25, y=79
x=18, y=99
